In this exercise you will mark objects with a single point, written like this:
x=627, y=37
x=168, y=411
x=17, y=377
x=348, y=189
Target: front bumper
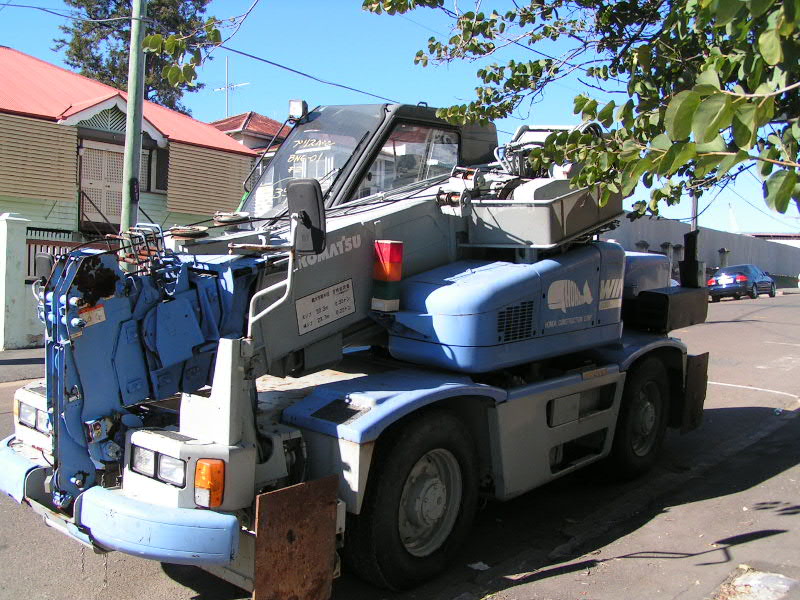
x=112, y=521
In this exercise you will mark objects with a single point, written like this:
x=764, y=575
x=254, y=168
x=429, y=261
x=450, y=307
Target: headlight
x=43, y=421
x=27, y=415
x=171, y=470
x=144, y=461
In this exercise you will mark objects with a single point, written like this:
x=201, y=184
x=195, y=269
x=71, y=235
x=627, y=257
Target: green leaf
x=661, y=142
x=758, y=7
x=726, y=11
x=716, y=145
x=685, y=153
x=189, y=74
x=713, y=114
x=606, y=116
x=632, y=174
x=727, y=163
x=778, y=189
x=769, y=45
x=678, y=117
x=174, y=75
x=705, y=164
x=579, y=102
x=744, y=125
x=708, y=77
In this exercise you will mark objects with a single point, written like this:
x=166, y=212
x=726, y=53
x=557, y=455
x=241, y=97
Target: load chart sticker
x=325, y=306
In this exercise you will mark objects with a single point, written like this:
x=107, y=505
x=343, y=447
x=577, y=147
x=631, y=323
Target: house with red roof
x=61, y=143
x=254, y=130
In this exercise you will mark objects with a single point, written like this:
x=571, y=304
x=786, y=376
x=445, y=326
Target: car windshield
x=318, y=147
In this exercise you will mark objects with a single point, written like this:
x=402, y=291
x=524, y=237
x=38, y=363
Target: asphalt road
x=754, y=367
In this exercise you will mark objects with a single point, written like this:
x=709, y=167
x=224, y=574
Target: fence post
x=18, y=308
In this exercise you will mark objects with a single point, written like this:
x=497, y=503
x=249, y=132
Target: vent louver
x=515, y=323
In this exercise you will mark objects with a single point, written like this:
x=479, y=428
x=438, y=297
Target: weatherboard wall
x=38, y=159
x=202, y=181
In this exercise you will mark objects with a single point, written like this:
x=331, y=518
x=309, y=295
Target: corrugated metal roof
x=32, y=87
x=251, y=122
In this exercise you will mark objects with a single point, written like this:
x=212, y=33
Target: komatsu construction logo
x=564, y=294
x=333, y=248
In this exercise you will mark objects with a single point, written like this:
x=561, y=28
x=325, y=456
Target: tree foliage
x=708, y=88
x=99, y=47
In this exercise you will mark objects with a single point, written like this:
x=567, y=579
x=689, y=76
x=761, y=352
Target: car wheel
x=736, y=296
x=642, y=420
x=419, y=505
x=772, y=291
x=753, y=293
x=716, y=298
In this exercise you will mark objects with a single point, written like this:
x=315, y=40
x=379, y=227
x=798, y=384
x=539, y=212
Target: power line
x=307, y=75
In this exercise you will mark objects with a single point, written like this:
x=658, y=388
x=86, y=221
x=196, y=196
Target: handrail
x=252, y=319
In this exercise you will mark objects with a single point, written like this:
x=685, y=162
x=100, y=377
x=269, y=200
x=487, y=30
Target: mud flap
x=695, y=391
x=295, y=554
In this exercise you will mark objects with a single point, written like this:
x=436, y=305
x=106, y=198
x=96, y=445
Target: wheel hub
x=430, y=500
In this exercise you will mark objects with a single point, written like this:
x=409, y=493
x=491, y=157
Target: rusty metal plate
x=296, y=541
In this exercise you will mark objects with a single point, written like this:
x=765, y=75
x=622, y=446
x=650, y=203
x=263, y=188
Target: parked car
x=740, y=280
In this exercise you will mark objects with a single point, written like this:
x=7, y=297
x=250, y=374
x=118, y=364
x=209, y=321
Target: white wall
x=19, y=327
x=780, y=259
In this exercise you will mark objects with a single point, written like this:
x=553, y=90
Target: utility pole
x=133, y=127
x=228, y=87
x=693, y=194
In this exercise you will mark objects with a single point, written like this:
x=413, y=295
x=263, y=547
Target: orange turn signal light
x=209, y=482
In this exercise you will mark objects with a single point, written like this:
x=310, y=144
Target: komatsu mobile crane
x=399, y=308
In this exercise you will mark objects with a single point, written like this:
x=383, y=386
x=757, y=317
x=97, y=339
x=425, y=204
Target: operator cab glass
x=410, y=154
x=319, y=147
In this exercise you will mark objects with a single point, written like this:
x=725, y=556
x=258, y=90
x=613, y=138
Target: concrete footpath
x=732, y=533
x=16, y=365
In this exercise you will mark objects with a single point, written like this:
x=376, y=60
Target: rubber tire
x=716, y=298
x=772, y=291
x=753, y=293
x=373, y=548
x=736, y=296
x=624, y=462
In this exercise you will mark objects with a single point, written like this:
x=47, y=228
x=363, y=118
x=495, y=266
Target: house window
x=101, y=167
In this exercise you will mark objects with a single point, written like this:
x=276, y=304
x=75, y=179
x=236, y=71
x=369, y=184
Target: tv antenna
x=228, y=87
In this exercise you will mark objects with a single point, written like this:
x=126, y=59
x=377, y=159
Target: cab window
x=411, y=153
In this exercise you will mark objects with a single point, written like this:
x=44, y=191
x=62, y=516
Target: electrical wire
x=307, y=75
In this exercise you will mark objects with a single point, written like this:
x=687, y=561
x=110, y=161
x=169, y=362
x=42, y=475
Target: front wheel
x=420, y=501
x=642, y=419
x=772, y=291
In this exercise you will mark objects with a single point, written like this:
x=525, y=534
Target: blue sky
x=335, y=40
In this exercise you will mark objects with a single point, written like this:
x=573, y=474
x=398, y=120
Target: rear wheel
x=419, y=505
x=642, y=419
x=772, y=291
x=753, y=292
x=716, y=298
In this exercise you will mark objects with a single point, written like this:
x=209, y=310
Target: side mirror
x=43, y=265
x=304, y=197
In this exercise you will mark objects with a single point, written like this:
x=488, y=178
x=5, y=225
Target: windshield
x=318, y=147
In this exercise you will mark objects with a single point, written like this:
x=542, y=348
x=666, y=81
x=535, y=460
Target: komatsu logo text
x=564, y=294
x=333, y=248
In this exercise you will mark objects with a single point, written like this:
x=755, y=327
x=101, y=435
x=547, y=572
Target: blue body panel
x=478, y=316
x=358, y=410
x=115, y=522
x=176, y=535
x=115, y=339
x=13, y=469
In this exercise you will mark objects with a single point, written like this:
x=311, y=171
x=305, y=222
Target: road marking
x=782, y=343
x=756, y=389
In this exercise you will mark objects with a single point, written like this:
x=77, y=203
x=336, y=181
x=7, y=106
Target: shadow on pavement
x=541, y=521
